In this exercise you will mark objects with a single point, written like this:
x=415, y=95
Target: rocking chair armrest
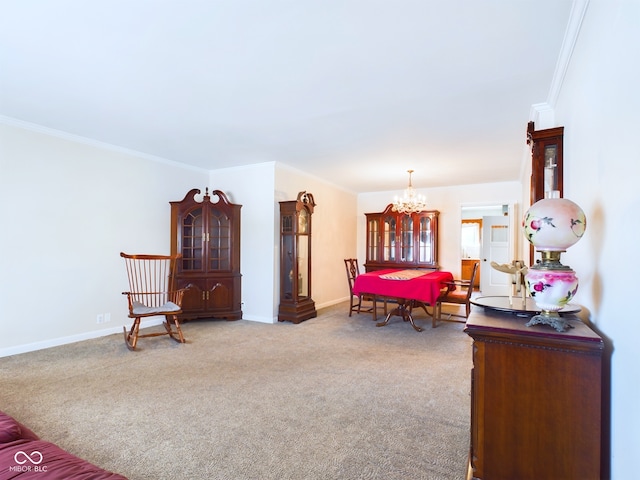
x=176, y=296
x=129, y=300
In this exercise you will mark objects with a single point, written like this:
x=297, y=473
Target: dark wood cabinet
x=536, y=400
x=296, y=304
x=546, y=161
x=398, y=240
x=207, y=234
x=546, y=166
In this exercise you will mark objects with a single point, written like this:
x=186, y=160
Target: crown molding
x=576, y=17
x=543, y=114
x=33, y=127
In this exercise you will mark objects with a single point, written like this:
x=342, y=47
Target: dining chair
x=151, y=293
x=458, y=293
x=360, y=303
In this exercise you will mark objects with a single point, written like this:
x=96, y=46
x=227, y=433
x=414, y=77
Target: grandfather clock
x=296, y=304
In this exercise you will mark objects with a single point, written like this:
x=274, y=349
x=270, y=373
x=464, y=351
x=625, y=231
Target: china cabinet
x=398, y=240
x=207, y=234
x=296, y=303
x=536, y=400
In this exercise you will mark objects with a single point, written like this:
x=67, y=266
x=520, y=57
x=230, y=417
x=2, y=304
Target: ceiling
x=353, y=91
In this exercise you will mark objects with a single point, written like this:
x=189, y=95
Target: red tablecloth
x=425, y=288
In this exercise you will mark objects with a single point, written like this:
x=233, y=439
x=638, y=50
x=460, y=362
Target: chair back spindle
x=150, y=279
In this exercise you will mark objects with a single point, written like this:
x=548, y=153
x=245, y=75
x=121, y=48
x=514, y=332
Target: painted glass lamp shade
x=552, y=225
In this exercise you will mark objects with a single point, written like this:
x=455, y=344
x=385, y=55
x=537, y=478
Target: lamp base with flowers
x=552, y=286
x=552, y=225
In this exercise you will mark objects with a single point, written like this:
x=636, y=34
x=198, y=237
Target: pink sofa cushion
x=9, y=429
x=23, y=456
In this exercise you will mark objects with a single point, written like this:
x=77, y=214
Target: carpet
x=334, y=397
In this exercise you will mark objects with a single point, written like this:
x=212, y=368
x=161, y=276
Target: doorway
x=485, y=237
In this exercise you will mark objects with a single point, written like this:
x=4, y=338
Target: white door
x=495, y=248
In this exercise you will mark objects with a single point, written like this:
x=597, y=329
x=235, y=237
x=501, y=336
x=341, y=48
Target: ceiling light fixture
x=410, y=202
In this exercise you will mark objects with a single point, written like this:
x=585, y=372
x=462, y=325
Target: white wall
x=449, y=202
x=598, y=106
x=68, y=208
x=252, y=187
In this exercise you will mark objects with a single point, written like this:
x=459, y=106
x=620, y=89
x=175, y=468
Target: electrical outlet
x=100, y=318
x=107, y=317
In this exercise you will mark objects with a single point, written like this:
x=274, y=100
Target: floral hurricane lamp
x=552, y=225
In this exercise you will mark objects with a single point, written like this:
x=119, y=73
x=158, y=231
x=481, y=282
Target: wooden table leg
x=402, y=311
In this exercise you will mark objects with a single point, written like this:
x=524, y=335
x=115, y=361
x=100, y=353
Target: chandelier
x=410, y=202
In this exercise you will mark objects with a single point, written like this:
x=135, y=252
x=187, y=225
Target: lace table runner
x=404, y=274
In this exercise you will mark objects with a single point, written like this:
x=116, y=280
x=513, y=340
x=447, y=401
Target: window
x=470, y=238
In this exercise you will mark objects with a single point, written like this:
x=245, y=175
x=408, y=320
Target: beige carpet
x=331, y=398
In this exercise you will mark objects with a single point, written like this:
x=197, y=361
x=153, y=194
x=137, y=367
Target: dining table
x=410, y=287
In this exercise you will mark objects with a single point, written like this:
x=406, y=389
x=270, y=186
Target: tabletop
x=421, y=285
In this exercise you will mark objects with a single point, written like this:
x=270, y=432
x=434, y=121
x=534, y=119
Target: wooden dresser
x=536, y=400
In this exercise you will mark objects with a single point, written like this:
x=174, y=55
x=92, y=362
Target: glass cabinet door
x=425, y=239
x=406, y=238
x=287, y=255
x=303, y=266
x=372, y=240
x=287, y=263
x=192, y=240
x=550, y=170
x=389, y=239
x=303, y=222
x=219, y=241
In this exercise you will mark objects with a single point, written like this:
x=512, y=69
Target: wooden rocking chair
x=151, y=285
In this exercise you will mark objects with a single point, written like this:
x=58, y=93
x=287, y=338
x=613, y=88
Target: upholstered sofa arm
x=23, y=456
